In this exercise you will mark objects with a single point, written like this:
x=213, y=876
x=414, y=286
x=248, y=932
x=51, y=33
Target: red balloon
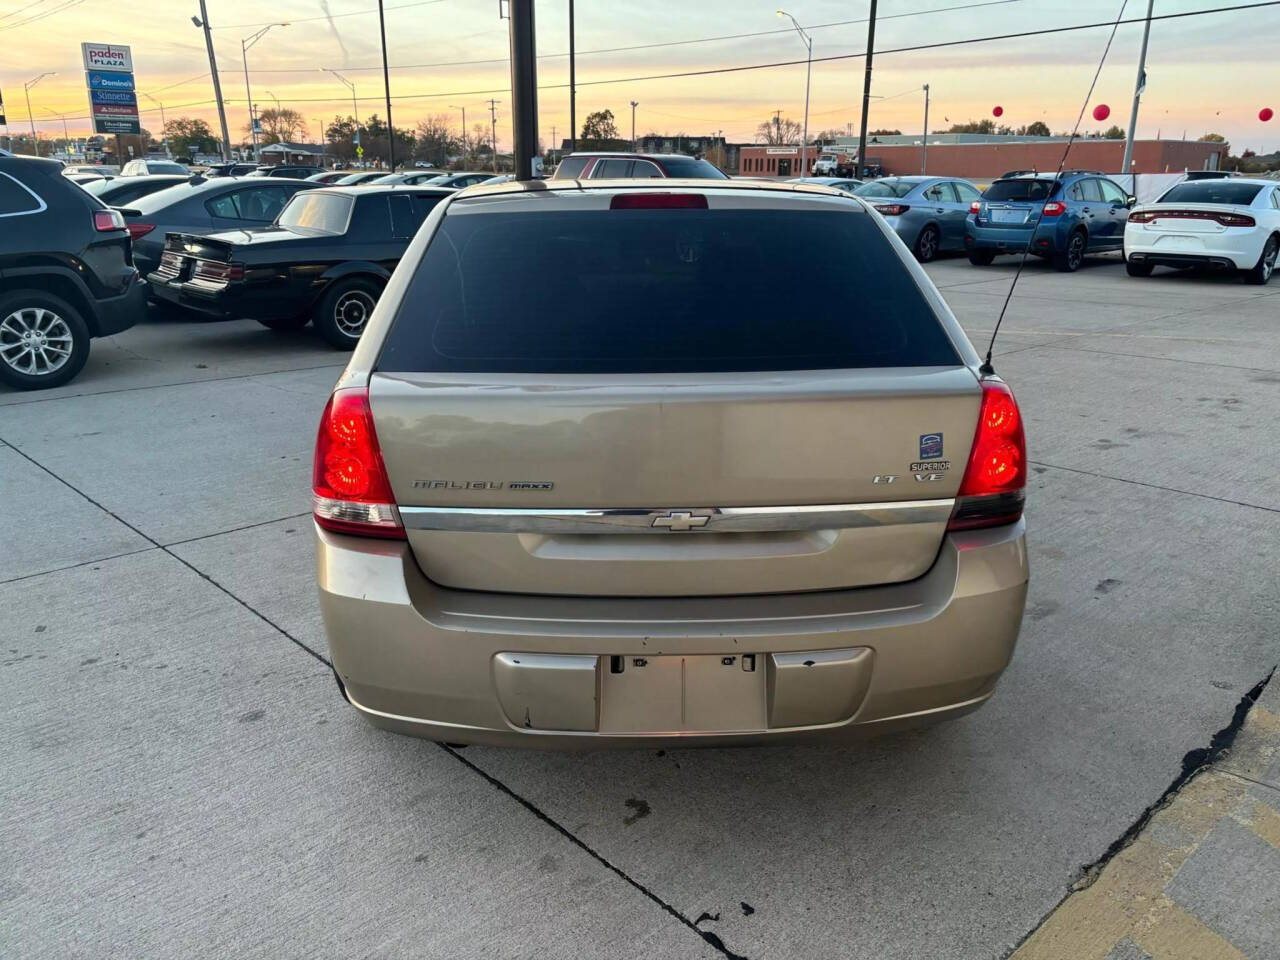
x=1101, y=112
x=998, y=112
x=1265, y=114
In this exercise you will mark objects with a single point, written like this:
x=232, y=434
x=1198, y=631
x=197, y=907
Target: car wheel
x=286, y=323
x=1266, y=264
x=44, y=341
x=344, y=310
x=1069, y=260
x=927, y=244
x=1138, y=269
x=982, y=258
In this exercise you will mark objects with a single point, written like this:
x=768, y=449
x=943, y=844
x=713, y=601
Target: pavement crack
x=550, y=821
x=1155, y=486
x=1192, y=763
x=164, y=549
x=82, y=563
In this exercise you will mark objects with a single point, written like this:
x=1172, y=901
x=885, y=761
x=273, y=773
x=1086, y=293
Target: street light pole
x=924, y=141
x=163, y=131
x=26, y=89
x=1139, y=86
x=245, y=44
x=808, y=70
x=866, y=90
x=466, y=143
x=66, y=137
x=634, y=104
x=203, y=21
x=573, y=89
x=355, y=109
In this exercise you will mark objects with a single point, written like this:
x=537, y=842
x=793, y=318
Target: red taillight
x=892, y=209
x=1054, y=208
x=350, y=489
x=976, y=207
x=1218, y=216
x=137, y=229
x=104, y=221
x=993, y=489
x=212, y=270
x=658, y=201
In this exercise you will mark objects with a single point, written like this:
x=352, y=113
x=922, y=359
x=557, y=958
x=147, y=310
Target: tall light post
x=924, y=141
x=26, y=89
x=808, y=70
x=355, y=109
x=202, y=22
x=465, y=142
x=634, y=104
x=1138, y=87
x=245, y=44
x=163, y=131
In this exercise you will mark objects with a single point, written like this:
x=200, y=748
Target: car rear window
x=16, y=198
x=316, y=212
x=570, y=167
x=1021, y=190
x=692, y=169
x=656, y=291
x=1212, y=191
x=886, y=188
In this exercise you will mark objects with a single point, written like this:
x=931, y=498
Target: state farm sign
x=107, y=56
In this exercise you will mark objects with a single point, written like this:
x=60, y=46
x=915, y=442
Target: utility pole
x=524, y=88
x=386, y=85
x=245, y=44
x=555, y=144
x=203, y=21
x=634, y=104
x=777, y=126
x=167, y=152
x=924, y=141
x=466, y=142
x=573, y=89
x=1137, y=93
x=866, y=90
x=493, y=123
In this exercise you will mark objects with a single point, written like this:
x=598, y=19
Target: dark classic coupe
x=325, y=260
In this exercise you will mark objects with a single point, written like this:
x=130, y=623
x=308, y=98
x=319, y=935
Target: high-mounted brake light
x=975, y=207
x=351, y=492
x=892, y=209
x=994, y=486
x=658, y=201
x=1054, y=208
x=104, y=221
x=138, y=229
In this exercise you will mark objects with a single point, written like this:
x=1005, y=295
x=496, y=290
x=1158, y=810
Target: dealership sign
x=108, y=76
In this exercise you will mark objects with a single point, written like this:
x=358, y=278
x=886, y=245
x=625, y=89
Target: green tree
x=189, y=136
x=597, y=129
x=986, y=125
x=884, y=133
x=1113, y=132
x=1037, y=128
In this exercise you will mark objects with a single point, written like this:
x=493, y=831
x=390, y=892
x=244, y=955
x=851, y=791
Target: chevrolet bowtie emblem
x=679, y=520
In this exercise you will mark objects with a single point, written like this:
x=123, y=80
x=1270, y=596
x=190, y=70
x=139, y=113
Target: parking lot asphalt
x=182, y=777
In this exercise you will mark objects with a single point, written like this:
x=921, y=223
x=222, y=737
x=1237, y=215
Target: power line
x=18, y=10
x=335, y=16
x=35, y=18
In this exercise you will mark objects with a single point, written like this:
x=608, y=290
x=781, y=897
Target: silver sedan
x=928, y=213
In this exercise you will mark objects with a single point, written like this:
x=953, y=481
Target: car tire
x=1138, y=269
x=1266, y=265
x=1069, y=259
x=31, y=321
x=982, y=258
x=286, y=323
x=343, y=312
x=926, y=246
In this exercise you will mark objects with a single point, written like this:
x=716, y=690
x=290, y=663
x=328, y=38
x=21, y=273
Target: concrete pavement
x=181, y=777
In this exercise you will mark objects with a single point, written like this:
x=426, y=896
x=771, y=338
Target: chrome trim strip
x=681, y=520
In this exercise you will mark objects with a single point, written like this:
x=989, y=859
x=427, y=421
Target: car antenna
x=987, y=369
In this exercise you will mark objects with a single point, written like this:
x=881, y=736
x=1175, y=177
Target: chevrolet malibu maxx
x=620, y=463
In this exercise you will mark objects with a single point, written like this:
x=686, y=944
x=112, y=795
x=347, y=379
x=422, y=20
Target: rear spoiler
x=198, y=247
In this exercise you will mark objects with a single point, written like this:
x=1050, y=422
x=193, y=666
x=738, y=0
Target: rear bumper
x=1010, y=239
x=115, y=314
x=180, y=294
x=1216, y=252
x=519, y=670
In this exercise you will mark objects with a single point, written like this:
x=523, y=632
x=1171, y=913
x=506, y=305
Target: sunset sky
x=1206, y=73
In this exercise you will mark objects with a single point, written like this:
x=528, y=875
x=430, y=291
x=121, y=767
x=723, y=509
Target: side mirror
x=1131, y=202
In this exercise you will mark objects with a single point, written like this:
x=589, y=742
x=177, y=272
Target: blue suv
x=1083, y=212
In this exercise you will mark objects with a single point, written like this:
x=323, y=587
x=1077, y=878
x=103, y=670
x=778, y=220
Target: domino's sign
x=107, y=56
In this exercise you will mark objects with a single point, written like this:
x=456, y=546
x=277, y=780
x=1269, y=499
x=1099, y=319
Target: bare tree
x=435, y=141
x=779, y=130
x=279, y=125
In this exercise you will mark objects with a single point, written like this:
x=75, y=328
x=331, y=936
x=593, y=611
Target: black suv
x=65, y=274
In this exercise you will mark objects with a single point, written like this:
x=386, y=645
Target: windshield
x=315, y=212
x=154, y=167
x=885, y=188
x=693, y=169
x=654, y=291
x=1029, y=189
x=1212, y=191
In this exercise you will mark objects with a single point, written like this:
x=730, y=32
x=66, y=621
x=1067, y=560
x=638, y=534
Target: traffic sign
x=96, y=80
x=359, y=150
